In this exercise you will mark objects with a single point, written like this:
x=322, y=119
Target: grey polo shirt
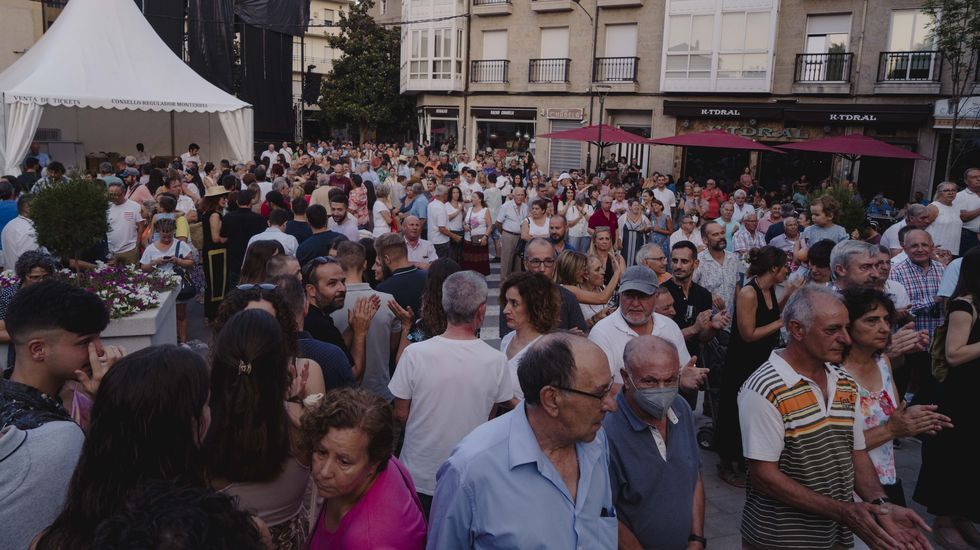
x=377, y=353
x=653, y=497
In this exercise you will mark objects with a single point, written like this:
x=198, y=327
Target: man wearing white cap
x=635, y=317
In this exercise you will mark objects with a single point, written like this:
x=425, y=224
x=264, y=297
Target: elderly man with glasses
x=536, y=477
x=652, y=255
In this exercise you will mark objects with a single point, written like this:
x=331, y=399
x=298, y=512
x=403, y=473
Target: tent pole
x=173, y=140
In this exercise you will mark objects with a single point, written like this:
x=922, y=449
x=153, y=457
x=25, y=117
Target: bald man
x=658, y=494
x=421, y=252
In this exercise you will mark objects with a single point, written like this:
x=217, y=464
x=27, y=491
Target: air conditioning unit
x=47, y=134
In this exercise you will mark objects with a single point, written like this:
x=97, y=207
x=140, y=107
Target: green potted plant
x=70, y=217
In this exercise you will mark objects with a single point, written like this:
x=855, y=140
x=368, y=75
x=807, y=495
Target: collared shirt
x=435, y=219
x=613, y=333
x=510, y=216
x=28, y=407
x=968, y=200
x=45, y=182
x=288, y=242
x=740, y=211
x=694, y=238
x=653, y=483
x=923, y=287
x=422, y=252
x=499, y=490
x=787, y=418
x=18, y=236
x=347, y=229
x=687, y=308
x=743, y=241
x=333, y=361
x=720, y=279
x=377, y=354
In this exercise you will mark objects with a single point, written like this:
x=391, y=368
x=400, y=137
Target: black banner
x=283, y=16
x=167, y=19
x=267, y=82
x=210, y=26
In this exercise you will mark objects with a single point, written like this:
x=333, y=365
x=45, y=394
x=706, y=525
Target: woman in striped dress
x=633, y=229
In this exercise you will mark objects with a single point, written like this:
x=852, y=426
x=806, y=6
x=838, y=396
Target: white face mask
x=654, y=401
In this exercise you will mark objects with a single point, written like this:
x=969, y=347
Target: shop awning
x=591, y=134
x=714, y=139
x=854, y=146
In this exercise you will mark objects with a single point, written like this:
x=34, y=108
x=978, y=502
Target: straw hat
x=215, y=191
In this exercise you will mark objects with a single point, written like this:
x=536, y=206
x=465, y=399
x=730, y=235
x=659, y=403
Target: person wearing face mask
x=659, y=495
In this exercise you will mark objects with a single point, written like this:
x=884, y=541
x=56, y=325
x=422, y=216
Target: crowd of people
x=347, y=399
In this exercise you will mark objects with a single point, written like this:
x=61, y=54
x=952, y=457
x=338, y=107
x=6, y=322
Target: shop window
x=744, y=45
x=689, y=46
x=507, y=136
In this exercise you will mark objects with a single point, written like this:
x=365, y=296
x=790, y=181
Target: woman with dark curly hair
x=257, y=393
x=432, y=318
x=369, y=496
x=531, y=306
x=147, y=424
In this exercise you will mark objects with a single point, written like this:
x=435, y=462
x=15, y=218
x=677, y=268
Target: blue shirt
x=499, y=490
x=337, y=371
x=8, y=211
x=654, y=497
x=420, y=207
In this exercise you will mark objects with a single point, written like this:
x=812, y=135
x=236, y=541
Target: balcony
x=823, y=73
x=909, y=72
x=608, y=4
x=490, y=71
x=493, y=7
x=614, y=69
x=548, y=71
x=543, y=6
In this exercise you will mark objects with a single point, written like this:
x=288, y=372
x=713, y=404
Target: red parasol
x=853, y=146
x=715, y=139
x=597, y=134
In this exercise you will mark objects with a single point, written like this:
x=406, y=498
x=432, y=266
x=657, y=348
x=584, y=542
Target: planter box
x=147, y=328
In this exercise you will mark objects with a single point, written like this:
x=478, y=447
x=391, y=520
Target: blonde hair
x=600, y=229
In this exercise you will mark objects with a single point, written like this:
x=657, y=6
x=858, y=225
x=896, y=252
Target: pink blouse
x=388, y=516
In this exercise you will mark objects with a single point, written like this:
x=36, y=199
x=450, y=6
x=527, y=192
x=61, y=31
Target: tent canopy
x=103, y=54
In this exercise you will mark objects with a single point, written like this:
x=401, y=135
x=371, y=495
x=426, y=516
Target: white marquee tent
x=103, y=77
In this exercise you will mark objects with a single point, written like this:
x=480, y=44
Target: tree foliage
x=362, y=88
x=956, y=32
x=70, y=217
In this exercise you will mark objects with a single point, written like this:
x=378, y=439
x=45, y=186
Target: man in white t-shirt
x=275, y=232
x=664, y=195
x=448, y=385
x=341, y=221
x=438, y=221
x=688, y=231
x=126, y=224
x=269, y=153
x=191, y=155
x=635, y=317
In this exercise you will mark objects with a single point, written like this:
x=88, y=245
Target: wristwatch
x=698, y=538
x=880, y=500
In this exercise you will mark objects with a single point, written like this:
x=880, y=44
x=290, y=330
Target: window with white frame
x=442, y=54
x=419, y=62
x=459, y=51
x=689, y=46
x=744, y=48
x=910, y=31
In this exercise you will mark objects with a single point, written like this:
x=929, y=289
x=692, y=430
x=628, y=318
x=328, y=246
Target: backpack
x=937, y=349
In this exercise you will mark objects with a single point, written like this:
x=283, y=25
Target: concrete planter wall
x=147, y=328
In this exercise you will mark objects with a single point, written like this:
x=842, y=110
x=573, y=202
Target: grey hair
x=463, y=293
x=939, y=188
x=115, y=184
x=915, y=210
x=786, y=210
x=417, y=189
x=643, y=254
x=646, y=348
x=740, y=193
x=541, y=241
x=440, y=191
x=105, y=167
x=800, y=306
x=845, y=250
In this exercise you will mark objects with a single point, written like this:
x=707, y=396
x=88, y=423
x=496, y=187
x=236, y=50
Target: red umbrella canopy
x=715, y=139
x=591, y=134
x=854, y=145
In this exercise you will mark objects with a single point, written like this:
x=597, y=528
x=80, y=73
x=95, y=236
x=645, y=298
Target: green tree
x=70, y=218
x=955, y=30
x=362, y=88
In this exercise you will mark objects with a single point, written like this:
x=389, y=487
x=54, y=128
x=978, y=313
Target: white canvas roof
x=103, y=54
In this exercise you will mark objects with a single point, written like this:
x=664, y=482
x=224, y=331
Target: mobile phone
x=168, y=257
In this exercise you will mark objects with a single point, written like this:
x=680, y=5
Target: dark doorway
x=966, y=155
x=776, y=170
x=719, y=164
x=890, y=177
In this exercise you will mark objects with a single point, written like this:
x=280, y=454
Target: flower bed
x=125, y=290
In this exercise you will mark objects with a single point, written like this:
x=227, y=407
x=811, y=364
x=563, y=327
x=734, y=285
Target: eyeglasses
x=313, y=264
x=536, y=262
x=600, y=396
x=658, y=259
x=261, y=286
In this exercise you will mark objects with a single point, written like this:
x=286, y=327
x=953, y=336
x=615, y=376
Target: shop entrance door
x=636, y=151
x=565, y=154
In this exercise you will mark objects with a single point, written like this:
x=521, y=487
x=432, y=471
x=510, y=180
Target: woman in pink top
x=369, y=497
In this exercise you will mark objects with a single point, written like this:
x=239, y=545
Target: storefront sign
x=445, y=112
x=764, y=133
x=810, y=113
x=565, y=114
x=726, y=111
x=505, y=114
x=910, y=114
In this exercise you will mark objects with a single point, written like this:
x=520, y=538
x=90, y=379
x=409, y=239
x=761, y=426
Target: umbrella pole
x=173, y=138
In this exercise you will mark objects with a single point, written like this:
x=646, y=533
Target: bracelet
x=698, y=538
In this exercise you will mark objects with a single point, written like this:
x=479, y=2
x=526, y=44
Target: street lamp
x=602, y=107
